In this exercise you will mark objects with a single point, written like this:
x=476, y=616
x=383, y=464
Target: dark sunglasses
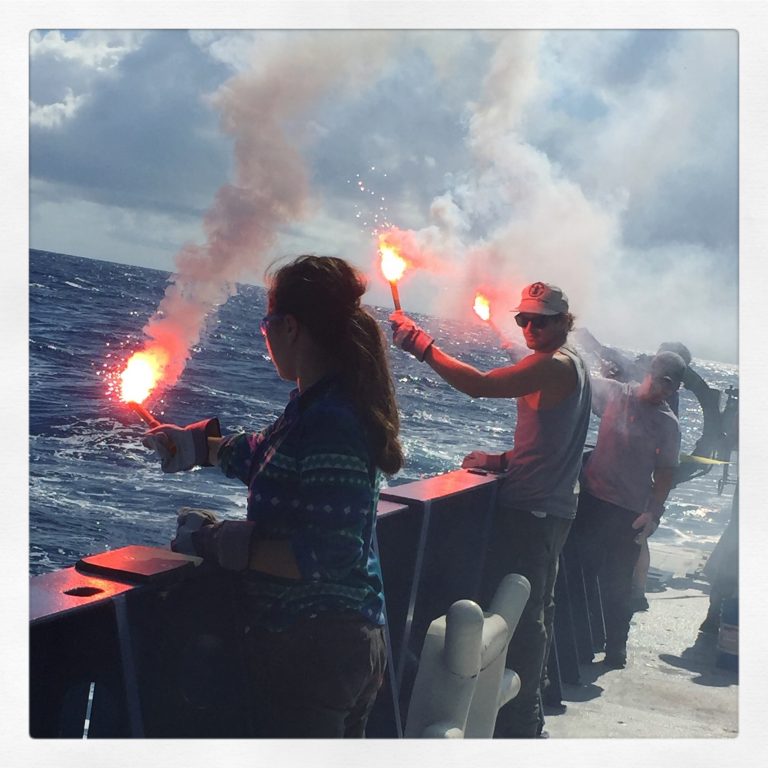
x=266, y=320
x=537, y=321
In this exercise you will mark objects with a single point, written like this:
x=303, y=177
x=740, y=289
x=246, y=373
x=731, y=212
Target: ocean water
x=94, y=487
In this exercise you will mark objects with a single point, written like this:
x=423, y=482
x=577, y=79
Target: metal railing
x=138, y=642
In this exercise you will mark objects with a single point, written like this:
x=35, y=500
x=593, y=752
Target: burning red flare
x=482, y=307
x=393, y=267
x=142, y=373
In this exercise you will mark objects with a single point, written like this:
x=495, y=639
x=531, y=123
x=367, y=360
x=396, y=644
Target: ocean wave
x=93, y=486
x=78, y=286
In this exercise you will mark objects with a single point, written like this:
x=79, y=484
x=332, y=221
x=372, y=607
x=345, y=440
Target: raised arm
x=535, y=373
x=549, y=373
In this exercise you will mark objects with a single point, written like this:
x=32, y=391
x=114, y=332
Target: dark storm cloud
x=143, y=137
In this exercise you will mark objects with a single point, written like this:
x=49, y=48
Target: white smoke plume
x=263, y=110
x=514, y=218
x=517, y=216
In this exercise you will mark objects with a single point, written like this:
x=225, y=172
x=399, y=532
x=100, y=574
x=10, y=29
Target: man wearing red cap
x=538, y=490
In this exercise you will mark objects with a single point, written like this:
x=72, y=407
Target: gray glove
x=181, y=448
x=408, y=336
x=225, y=543
x=188, y=522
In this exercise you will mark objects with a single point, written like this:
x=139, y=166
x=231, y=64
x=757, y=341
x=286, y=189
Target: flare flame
x=482, y=307
x=393, y=265
x=142, y=373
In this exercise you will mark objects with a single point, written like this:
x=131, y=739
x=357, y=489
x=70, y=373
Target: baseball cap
x=669, y=366
x=676, y=346
x=542, y=299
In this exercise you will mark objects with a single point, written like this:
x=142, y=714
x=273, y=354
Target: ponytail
x=323, y=293
x=366, y=371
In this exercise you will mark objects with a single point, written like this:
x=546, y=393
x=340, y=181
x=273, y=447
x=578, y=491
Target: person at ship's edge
x=617, y=366
x=624, y=484
x=309, y=581
x=538, y=489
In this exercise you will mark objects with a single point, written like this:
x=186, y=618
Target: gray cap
x=676, y=346
x=669, y=366
x=542, y=299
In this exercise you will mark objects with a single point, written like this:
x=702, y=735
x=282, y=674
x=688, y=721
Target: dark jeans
x=318, y=679
x=605, y=540
x=528, y=545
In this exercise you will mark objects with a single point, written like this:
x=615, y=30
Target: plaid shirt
x=311, y=481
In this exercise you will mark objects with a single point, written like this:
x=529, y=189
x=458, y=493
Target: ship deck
x=671, y=686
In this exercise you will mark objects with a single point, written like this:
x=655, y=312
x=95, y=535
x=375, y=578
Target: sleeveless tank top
x=542, y=474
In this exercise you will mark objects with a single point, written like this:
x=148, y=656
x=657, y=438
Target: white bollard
x=497, y=685
x=447, y=674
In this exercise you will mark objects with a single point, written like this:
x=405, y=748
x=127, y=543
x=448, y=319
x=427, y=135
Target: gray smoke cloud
x=597, y=206
x=263, y=109
x=514, y=217
x=590, y=212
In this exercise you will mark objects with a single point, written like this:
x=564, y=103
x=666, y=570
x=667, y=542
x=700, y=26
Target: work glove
x=181, y=448
x=189, y=521
x=408, y=336
x=493, y=462
x=226, y=543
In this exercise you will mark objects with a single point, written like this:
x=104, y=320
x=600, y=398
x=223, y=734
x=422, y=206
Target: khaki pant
x=523, y=543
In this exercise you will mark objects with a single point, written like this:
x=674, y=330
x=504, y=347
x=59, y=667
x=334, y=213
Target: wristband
x=496, y=462
x=201, y=431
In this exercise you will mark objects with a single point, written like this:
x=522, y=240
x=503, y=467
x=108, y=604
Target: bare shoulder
x=553, y=362
x=554, y=367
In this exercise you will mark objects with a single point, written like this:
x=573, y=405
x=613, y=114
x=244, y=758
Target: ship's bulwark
x=153, y=636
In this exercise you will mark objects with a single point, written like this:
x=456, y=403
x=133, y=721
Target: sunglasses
x=266, y=320
x=537, y=321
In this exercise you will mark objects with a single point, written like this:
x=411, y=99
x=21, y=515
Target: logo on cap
x=536, y=290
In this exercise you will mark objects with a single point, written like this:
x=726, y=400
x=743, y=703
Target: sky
x=603, y=161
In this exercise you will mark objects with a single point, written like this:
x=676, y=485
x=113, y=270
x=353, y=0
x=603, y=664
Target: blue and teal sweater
x=312, y=481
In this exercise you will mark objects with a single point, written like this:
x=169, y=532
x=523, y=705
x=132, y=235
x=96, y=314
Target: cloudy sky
x=603, y=161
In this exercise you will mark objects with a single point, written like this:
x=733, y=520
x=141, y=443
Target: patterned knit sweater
x=311, y=481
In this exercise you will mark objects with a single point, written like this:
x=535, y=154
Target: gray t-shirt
x=542, y=473
x=634, y=438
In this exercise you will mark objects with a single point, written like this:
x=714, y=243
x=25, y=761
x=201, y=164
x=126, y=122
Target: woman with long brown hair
x=311, y=581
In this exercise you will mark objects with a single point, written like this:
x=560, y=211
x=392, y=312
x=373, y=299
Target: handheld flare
x=392, y=267
x=144, y=414
x=141, y=374
x=482, y=307
x=395, y=295
x=148, y=419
